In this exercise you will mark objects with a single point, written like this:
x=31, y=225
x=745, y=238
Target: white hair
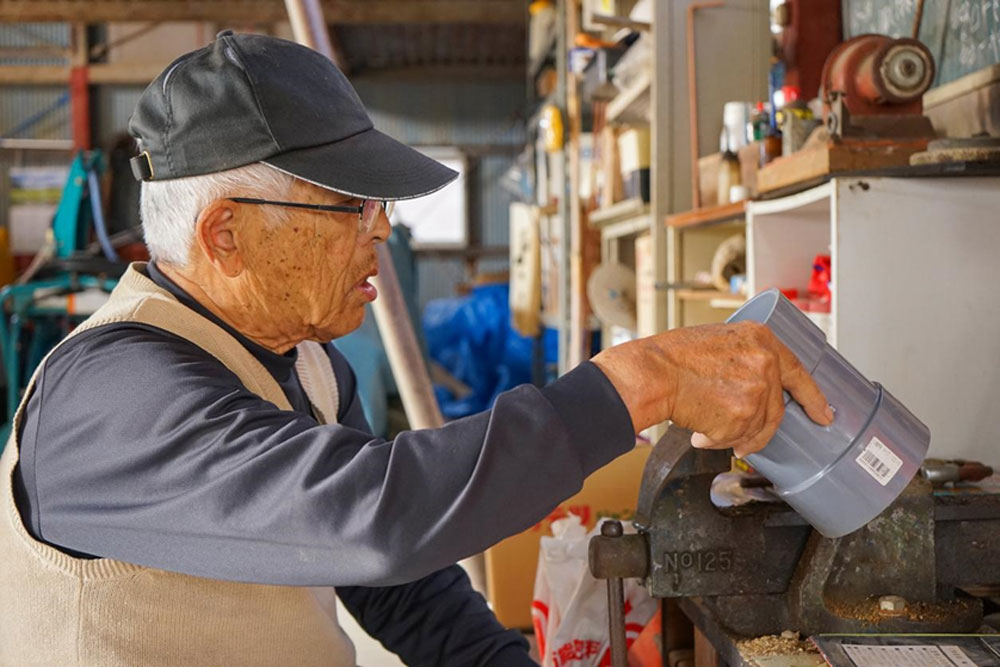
x=170, y=208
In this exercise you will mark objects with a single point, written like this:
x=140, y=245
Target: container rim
x=759, y=308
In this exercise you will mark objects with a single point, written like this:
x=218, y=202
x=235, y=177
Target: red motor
x=879, y=74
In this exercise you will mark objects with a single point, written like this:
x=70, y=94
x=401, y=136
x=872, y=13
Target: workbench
x=715, y=647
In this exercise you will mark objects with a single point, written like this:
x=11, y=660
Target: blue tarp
x=472, y=338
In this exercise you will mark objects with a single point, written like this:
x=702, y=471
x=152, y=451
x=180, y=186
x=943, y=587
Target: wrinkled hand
x=723, y=381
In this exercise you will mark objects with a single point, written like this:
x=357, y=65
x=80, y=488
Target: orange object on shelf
x=590, y=42
x=551, y=124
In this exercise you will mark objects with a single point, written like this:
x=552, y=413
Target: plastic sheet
x=472, y=339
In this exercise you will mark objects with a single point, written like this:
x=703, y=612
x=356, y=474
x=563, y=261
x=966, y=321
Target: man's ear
x=216, y=236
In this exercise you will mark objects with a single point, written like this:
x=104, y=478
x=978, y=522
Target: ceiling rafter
x=340, y=12
x=143, y=73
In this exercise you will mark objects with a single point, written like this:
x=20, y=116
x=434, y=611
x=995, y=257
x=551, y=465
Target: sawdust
x=788, y=643
x=868, y=611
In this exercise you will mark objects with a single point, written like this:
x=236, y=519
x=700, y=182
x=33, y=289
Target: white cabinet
x=916, y=290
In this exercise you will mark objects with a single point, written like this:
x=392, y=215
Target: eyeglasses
x=368, y=212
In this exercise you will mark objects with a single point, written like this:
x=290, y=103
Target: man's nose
x=382, y=229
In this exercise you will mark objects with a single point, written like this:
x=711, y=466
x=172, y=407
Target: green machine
x=65, y=283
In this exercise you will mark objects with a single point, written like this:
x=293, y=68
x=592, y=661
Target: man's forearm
x=723, y=381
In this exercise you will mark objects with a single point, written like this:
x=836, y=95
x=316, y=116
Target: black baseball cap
x=253, y=98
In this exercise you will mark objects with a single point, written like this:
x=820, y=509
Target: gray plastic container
x=841, y=476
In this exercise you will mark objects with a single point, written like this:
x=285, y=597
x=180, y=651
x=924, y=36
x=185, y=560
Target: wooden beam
x=99, y=73
x=143, y=73
x=579, y=305
x=79, y=88
x=442, y=73
x=37, y=144
x=340, y=12
x=34, y=52
x=98, y=51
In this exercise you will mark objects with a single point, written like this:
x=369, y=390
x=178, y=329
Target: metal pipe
x=395, y=328
x=616, y=605
x=918, y=19
x=616, y=619
x=100, y=224
x=693, y=100
x=309, y=28
x=400, y=341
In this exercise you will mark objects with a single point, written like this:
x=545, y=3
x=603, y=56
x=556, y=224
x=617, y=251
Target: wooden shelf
x=689, y=294
x=632, y=104
x=730, y=302
x=827, y=160
x=627, y=227
x=618, y=212
x=715, y=298
x=37, y=144
x=709, y=215
x=621, y=22
x=263, y=13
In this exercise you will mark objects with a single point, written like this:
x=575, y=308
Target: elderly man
x=190, y=472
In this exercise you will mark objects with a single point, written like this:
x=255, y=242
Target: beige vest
x=59, y=610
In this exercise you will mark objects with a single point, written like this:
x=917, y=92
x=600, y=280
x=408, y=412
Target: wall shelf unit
x=713, y=215
x=623, y=210
x=914, y=271
x=631, y=105
x=654, y=99
x=624, y=228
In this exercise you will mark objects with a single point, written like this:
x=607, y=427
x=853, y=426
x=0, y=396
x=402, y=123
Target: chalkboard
x=963, y=35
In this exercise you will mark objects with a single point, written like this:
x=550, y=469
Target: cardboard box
x=634, y=154
x=708, y=179
x=967, y=106
x=749, y=165
x=525, y=269
x=29, y=224
x=612, y=491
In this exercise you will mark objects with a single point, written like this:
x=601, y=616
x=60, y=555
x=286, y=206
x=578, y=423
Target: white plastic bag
x=570, y=607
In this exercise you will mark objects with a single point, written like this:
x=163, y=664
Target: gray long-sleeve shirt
x=138, y=445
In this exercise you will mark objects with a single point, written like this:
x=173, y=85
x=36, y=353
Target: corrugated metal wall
x=47, y=106
x=112, y=107
x=482, y=116
x=445, y=112
x=21, y=104
x=29, y=35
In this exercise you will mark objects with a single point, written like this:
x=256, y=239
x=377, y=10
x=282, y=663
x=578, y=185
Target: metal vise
x=761, y=569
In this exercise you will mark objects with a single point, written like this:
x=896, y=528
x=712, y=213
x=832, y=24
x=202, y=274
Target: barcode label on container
x=879, y=461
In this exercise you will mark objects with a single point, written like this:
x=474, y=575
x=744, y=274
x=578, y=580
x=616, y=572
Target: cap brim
x=369, y=164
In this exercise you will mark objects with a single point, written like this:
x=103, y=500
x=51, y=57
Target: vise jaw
x=761, y=569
